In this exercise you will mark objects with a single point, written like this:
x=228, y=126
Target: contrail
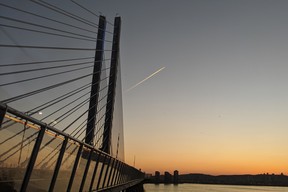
x=145, y=79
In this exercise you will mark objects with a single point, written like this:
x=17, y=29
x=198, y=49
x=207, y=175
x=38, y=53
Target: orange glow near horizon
x=213, y=166
x=212, y=153
x=221, y=104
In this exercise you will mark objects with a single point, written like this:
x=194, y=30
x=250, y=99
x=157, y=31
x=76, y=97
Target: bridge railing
x=35, y=156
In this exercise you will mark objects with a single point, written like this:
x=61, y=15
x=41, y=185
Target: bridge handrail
x=114, y=174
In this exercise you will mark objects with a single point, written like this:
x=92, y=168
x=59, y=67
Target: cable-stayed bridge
x=61, y=99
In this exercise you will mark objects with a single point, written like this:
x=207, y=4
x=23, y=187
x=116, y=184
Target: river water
x=210, y=188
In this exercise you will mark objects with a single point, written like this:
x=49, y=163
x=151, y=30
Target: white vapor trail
x=145, y=79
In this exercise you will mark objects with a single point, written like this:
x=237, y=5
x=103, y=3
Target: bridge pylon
x=59, y=97
x=106, y=142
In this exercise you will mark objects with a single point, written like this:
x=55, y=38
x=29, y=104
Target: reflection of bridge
x=61, y=107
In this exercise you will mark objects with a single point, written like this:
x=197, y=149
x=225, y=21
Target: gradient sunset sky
x=220, y=105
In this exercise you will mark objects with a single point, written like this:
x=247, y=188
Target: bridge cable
x=66, y=13
x=89, y=11
x=13, y=147
x=46, y=27
x=44, y=32
x=44, y=89
x=11, y=137
x=45, y=68
x=54, y=101
x=63, y=12
x=44, y=76
x=43, y=62
x=60, y=98
x=49, y=47
x=70, y=154
x=85, y=138
x=47, y=18
x=32, y=111
x=72, y=135
x=78, y=106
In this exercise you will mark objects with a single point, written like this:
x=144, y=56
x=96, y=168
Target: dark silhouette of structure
x=176, y=177
x=85, y=151
x=256, y=180
x=167, y=177
x=157, y=177
x=261, y=179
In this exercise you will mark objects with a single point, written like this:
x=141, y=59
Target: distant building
x=157, y=177
x=176, y=177
x=167, y=177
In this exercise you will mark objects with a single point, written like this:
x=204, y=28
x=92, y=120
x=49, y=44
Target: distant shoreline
x=147, y=182
x=280, y=180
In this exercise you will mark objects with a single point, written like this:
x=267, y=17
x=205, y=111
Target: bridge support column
x=89, y=139
x=106, y=142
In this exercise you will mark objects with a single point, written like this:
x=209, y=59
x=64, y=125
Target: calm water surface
x=210, y=188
